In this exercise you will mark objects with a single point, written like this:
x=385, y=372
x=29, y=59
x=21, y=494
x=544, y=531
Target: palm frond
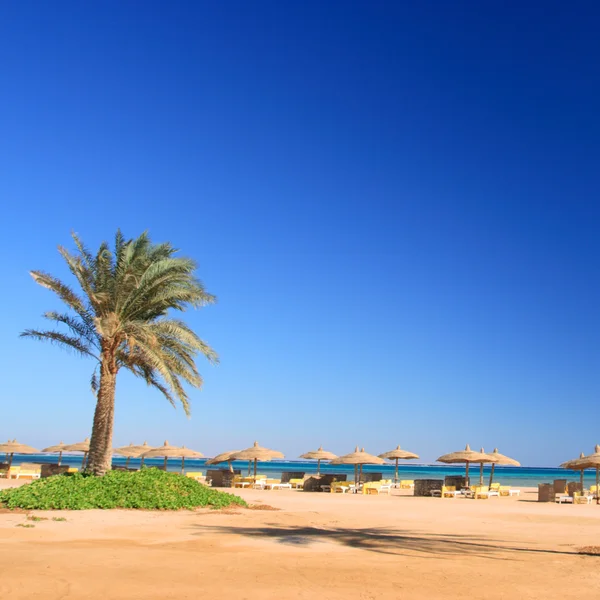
x=65, y=341
x=79, y=327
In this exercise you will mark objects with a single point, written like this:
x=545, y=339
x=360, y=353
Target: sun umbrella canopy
x=78, y=447
x=466, y=456
x=223, y=457
x=15, y=447
x=169, y=451
x=398, y=453
x=133, y=451
x=257, y=452
x=60, y=447
x=358, y=457
x=501, y=459
x=319, y=454
x=591, y=461
x=574, y=463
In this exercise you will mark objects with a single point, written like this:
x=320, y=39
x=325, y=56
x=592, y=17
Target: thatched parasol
x=398, y=454
x=257, y=453
x=501, y=460
x=223, y=457
x=576, y=464
x=12, y=448
x=169, y=451
x=60, y=448
x=358, y=458
x=591, y=461
x=133, y=451
x=467, y=456
x=319, y=455
x=79, y=447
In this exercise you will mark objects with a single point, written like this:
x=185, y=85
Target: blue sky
x=396, y=205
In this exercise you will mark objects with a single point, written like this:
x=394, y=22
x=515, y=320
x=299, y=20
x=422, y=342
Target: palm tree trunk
x=100, y=457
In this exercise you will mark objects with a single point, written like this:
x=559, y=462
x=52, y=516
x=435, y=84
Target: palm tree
x=120, y=320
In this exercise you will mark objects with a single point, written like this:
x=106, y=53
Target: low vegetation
x=145, y=489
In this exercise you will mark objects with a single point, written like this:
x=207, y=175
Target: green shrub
x=146, y=489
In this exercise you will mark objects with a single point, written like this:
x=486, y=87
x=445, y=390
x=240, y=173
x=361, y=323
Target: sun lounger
x=563, y=499
x=197, y=475
x=582, y=499
x=297, y=484
x=341, y=487
x=447, y=491
x=377, y=487
x=481, y=492
x=29, y=471
x=407, y=484
x=13, y=472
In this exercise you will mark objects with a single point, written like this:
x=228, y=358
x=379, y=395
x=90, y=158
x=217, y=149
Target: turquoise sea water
x=516, y=476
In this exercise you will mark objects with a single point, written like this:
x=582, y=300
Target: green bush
x=147, y=489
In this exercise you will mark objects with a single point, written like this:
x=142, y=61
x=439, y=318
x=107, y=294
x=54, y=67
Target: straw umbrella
x=169, y=451
x=223, y=457
x=79, y=447
x=358, y=458
x=591, y=461
x=257, y=453
x=132, y=451
x=319, y=455
x=576, y=464
x=467, y=456
x=501, y=460
x=60, y=447
x=398, y=454
x=12, y=448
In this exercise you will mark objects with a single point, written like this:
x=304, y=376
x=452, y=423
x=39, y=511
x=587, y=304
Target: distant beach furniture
x=468, y=457
x=398, y=454
x=133, y=451
x=319, y=455
x=79, y=447
x=167, y=451
x=257, y=453
x=358, y=458
x=10, y=448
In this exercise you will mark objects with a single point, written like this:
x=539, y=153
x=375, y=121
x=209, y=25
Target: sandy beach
x=312, y=545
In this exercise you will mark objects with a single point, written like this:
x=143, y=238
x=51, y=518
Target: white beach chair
x=563, y=499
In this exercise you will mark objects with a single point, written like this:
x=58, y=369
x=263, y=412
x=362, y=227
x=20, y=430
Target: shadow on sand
x=384, y=541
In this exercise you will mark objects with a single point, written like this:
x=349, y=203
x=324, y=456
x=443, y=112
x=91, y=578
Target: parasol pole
x=467, y=473
x=492, y=473
x=396, y=476
x=318, y=467
x=182, y=464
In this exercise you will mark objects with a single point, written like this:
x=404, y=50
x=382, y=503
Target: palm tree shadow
x=384, y=541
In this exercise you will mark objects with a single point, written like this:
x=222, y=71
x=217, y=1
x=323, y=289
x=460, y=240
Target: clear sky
x=396, y=204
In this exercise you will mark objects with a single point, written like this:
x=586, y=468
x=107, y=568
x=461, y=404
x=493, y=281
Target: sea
x=515, y=476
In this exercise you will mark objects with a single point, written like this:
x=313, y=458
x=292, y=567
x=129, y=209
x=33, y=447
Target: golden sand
x=315, y=546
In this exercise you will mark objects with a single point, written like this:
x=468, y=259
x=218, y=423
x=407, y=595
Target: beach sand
x=313, y=546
